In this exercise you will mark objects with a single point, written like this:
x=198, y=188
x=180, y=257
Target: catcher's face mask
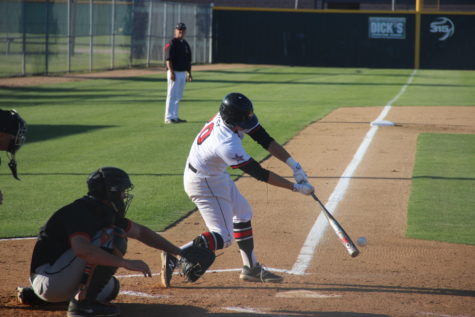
x=113, y=185
x=121, y=200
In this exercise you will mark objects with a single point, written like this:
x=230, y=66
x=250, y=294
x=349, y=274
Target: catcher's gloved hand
x=304, y=188
x=299, y=174
x=195, y=261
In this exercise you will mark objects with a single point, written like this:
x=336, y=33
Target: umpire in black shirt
x=178, y=62
x=82, y=244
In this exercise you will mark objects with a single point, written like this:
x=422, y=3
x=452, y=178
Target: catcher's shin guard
x=96, y=278
x=94, y=281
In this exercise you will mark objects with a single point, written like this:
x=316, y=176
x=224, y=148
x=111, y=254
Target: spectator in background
x=178, y=62
x=12, y=137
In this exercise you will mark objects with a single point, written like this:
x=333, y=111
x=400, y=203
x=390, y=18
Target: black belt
x=194, y=170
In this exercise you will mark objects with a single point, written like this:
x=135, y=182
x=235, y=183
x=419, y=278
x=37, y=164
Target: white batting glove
x=304, y=188
x=299, y=173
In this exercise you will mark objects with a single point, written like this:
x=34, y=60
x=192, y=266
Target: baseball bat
x=340, y=232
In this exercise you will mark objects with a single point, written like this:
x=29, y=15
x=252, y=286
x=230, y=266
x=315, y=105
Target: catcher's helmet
x=111, y=184
x=11, y=123
x=237, y=110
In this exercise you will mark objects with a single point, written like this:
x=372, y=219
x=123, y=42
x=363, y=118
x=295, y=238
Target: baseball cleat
x=259, y=274
x=172, y=121
x=26, y=296
x=169, y=263
x=87, y=308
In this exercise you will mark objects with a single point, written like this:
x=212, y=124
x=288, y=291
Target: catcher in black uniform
x=82, y=245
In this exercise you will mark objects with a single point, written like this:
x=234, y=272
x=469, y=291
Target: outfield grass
x=76, y=127
x=442, y=200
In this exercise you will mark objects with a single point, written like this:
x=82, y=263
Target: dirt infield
x=394, y=276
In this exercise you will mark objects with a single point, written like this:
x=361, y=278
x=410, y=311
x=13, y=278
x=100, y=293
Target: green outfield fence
x=57, y=36
x=426, y=39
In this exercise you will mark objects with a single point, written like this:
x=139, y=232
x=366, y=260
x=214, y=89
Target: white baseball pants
x=174, y=94
x=219, y=201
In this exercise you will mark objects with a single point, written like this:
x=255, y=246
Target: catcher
x=83, y=244
x=12, y=136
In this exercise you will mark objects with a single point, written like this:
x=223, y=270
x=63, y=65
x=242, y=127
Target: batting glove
x=304, y=188
x=299, y=173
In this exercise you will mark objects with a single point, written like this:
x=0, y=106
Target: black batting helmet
x=237, y=110
x=111, y=184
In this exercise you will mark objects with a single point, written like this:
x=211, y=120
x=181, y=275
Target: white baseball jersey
x=208, y=184
x=216, y=147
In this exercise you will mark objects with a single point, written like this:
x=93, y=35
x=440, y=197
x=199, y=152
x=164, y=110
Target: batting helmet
x=237, y=110
x=111, y=184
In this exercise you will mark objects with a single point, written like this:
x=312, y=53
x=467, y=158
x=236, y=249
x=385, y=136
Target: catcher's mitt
x=195, y=261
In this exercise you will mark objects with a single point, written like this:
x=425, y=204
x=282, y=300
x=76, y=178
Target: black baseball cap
x=180, y=26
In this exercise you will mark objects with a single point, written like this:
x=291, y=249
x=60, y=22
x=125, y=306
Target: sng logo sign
x=443, y=25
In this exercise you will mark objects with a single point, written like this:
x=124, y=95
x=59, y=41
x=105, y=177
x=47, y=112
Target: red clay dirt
x=393, y=276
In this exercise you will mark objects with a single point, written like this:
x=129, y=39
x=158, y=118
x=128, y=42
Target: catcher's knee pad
x=112, y=239
x=209, y=240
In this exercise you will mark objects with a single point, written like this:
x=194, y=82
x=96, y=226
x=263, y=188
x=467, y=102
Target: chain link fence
x=60, y=36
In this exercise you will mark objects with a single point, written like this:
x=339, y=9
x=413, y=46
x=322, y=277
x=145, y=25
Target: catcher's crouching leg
x=98, y=282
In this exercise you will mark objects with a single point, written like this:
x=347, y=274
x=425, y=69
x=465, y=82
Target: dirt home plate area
x=393, y=275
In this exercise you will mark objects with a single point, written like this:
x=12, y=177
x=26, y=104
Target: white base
x=382, y=123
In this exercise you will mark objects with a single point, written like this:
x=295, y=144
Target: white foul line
x=320, y=225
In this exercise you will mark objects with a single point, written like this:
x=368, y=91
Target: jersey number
x=204, y=134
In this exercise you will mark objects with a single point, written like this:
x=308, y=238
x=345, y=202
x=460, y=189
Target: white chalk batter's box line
x=211, y=271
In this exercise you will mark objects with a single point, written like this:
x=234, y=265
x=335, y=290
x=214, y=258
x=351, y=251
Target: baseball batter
x=226, y=212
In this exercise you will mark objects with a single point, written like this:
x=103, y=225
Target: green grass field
x=443, y=189
x=77, y=127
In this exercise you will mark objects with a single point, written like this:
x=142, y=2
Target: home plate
x=305, y=294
